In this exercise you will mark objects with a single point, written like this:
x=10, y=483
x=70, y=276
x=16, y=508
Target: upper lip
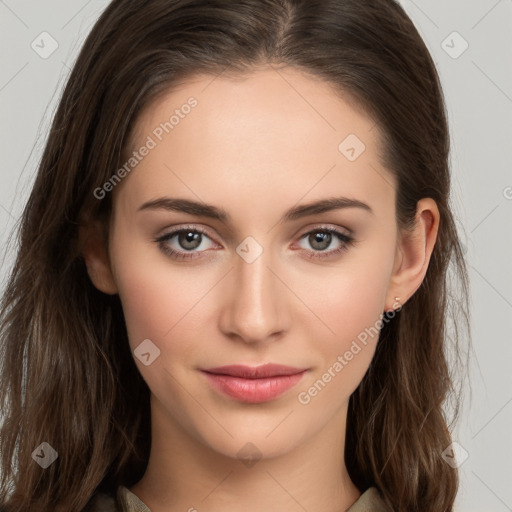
x=255, y=372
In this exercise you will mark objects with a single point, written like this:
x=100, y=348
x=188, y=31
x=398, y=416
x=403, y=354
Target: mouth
x=253, y=384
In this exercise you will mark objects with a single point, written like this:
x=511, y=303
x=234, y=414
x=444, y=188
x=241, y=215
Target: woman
x=231, y=285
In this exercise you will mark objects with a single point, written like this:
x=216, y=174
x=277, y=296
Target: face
x=249, y=275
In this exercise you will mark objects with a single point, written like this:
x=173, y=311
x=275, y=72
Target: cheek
x=358, y=302
x=349, y=297
x=350, y=302
x=354, y=316
x=155, y=295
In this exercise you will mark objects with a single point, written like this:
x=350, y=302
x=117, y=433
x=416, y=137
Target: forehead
x=270, y=132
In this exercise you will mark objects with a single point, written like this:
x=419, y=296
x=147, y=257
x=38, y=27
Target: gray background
x=478, y=89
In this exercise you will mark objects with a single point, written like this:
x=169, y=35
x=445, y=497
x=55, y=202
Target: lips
x=248, y=372
x=253, y=384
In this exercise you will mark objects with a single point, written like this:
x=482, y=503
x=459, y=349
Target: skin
x=255, y=147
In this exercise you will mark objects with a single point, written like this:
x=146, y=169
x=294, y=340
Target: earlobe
x=414, y=252
x=96, y=258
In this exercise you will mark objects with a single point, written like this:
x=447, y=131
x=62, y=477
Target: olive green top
x=127, y=501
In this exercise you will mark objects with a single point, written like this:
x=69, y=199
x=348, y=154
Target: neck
x=185, y=474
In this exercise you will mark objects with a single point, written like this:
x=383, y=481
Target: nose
x=254, y=308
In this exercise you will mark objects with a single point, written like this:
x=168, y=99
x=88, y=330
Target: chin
x=250, y=445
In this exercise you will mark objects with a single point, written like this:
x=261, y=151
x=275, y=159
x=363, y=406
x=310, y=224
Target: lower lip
x=253, y=391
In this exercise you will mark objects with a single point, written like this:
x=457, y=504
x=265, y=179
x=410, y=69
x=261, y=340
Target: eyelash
x=346, y=240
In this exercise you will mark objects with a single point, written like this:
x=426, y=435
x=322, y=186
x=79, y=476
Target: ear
x=94, y=250
x=414, y=250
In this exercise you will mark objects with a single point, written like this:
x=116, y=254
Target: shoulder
x=123, y=500
x=370, y=501
x=102, y=502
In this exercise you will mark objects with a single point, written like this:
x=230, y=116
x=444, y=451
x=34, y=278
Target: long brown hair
x=67, y=376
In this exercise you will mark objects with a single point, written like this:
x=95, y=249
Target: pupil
x=190, y=240
x=321, y=240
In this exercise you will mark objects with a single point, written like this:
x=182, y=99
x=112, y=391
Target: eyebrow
x=213, y=212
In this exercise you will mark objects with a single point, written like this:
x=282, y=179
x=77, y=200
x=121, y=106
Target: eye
x=190, y=242
x=322, y=239
x=184, y=243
